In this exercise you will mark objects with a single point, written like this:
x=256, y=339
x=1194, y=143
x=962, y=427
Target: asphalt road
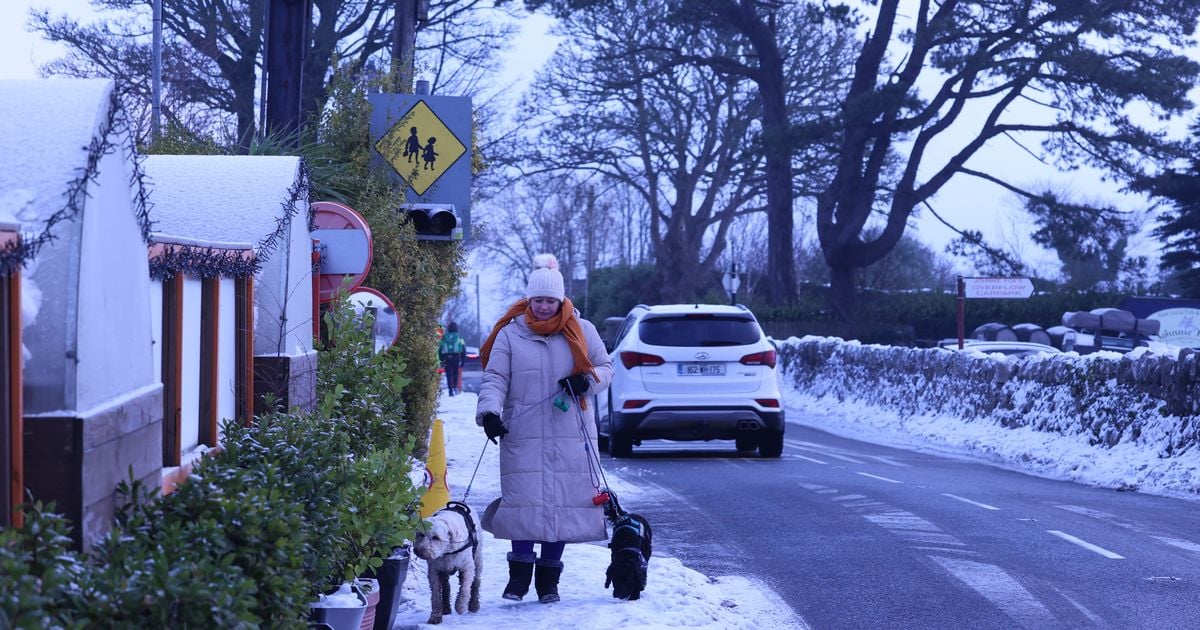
x=854, y=535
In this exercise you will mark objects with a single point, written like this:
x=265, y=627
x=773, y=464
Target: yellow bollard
x=437, y=495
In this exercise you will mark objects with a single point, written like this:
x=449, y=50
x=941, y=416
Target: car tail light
x=766, y=358
x=634, y=404
x=634, y=359
x=767, y=402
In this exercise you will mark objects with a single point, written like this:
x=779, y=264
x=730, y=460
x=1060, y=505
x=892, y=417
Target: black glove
x=493, y=427
x=575, y=384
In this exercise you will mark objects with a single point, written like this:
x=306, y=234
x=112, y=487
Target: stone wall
x=1143, y=397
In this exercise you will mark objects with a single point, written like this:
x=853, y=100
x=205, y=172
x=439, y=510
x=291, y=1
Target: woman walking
x=539, y=361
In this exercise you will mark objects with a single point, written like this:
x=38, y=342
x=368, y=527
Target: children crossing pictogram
x=420, y=147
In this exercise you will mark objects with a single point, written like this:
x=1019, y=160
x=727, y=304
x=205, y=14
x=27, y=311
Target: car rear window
x=699, y=330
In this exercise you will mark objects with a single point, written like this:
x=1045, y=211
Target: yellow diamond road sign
x=420, y=147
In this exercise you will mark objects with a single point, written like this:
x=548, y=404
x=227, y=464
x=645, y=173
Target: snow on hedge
x=1124, y=421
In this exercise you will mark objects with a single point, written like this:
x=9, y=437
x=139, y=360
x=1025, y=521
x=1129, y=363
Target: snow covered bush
x=1110, y=398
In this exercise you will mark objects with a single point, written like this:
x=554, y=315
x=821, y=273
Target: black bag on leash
x=630, y=547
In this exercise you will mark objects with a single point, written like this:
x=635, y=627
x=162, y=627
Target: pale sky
x=21, y=51
x=966, y=202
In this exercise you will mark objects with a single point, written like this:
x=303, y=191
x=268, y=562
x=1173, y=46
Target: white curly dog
x=450, y=545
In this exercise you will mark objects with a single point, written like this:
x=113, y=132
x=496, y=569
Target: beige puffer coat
x=546, y=481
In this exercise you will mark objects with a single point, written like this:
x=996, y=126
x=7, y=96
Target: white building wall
x=156, y=303
x=190, y=398
x=114, y=320
x=227, y=353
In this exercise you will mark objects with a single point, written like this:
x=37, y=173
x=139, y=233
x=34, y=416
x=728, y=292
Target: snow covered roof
x=226, y=198
x=46, y=128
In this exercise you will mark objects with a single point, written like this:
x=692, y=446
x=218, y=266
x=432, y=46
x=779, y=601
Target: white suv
x=691, y=372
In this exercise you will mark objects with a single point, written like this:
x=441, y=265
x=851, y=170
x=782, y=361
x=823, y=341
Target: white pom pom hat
x=545, y=280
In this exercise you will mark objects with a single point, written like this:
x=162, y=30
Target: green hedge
x=294, y=504
x=917, y=318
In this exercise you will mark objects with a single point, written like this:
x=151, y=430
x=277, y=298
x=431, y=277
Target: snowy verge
x=675, y=597
x=1047, y=416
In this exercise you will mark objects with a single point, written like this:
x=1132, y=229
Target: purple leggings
x=551, y=551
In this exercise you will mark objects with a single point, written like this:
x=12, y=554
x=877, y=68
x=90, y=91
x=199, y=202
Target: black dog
x=631, y=548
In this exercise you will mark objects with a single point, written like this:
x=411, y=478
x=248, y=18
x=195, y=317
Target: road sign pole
x=961, y=303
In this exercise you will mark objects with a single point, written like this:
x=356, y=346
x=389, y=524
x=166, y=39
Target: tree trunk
x=781, y=273
x=842, y=292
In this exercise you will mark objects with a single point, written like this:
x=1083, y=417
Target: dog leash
x=467, y=492
x=595, y=470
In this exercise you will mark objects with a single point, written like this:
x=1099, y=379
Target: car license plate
x=700, y=369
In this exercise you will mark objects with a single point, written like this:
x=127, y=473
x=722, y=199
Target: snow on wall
x=84, y=293
x=1105, y=402
x=241, y=199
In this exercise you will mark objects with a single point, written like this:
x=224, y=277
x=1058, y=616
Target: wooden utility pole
x=287, y=45
x=404, y=41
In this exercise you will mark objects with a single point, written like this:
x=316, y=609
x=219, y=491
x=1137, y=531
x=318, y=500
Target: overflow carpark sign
x=999, y=288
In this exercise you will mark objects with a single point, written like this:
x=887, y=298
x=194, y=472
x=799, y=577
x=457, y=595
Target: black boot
x=520, y=573
x=545, y=580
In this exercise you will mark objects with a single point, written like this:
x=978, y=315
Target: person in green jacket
x=452, y=352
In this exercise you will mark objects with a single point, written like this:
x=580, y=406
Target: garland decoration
x=297, y=192
x=198, y=261
x=76, y=195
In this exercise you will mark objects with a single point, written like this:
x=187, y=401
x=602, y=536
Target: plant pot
x=391, y=579
x=370, y=588
x=340, y=617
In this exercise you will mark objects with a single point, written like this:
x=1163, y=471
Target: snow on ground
x=679, y=597
x=676, y=596
x=1128, y=465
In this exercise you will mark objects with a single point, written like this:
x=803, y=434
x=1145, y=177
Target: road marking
x=866, y=474
x=889, y=461
x=966, y=500
x=968, y=552
x=1086, y=545
x=815, y=461
x=1001, y=589
x=1178, y=542
x=825, y=450
x=1093, y=617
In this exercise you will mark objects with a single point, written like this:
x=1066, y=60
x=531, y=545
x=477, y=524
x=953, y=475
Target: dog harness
x=465, y=511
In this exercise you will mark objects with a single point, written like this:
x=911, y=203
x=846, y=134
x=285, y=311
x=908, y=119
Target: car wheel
x=771, y=444
x=746, y=442
x=620, y=444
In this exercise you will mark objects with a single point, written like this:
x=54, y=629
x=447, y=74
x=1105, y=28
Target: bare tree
x=681, y=138
x=213, y=51
x=1084, y=66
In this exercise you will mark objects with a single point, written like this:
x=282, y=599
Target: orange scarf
x=564, y=322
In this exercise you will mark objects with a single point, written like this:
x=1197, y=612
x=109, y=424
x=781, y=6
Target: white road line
x=966, y=500
x=1001, y=589
x=1086, y=545
x=826, y=453
x=1177, y=542
x=815, y=461
x=865, y=474
x=889, y=461
x=968, y=552
x=1093, y=617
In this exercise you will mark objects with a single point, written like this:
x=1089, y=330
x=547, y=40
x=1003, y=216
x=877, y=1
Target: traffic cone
x=437, y=495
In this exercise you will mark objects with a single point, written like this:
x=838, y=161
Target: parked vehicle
x=691, y=372
x=1008, y=348
x=472, y=371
